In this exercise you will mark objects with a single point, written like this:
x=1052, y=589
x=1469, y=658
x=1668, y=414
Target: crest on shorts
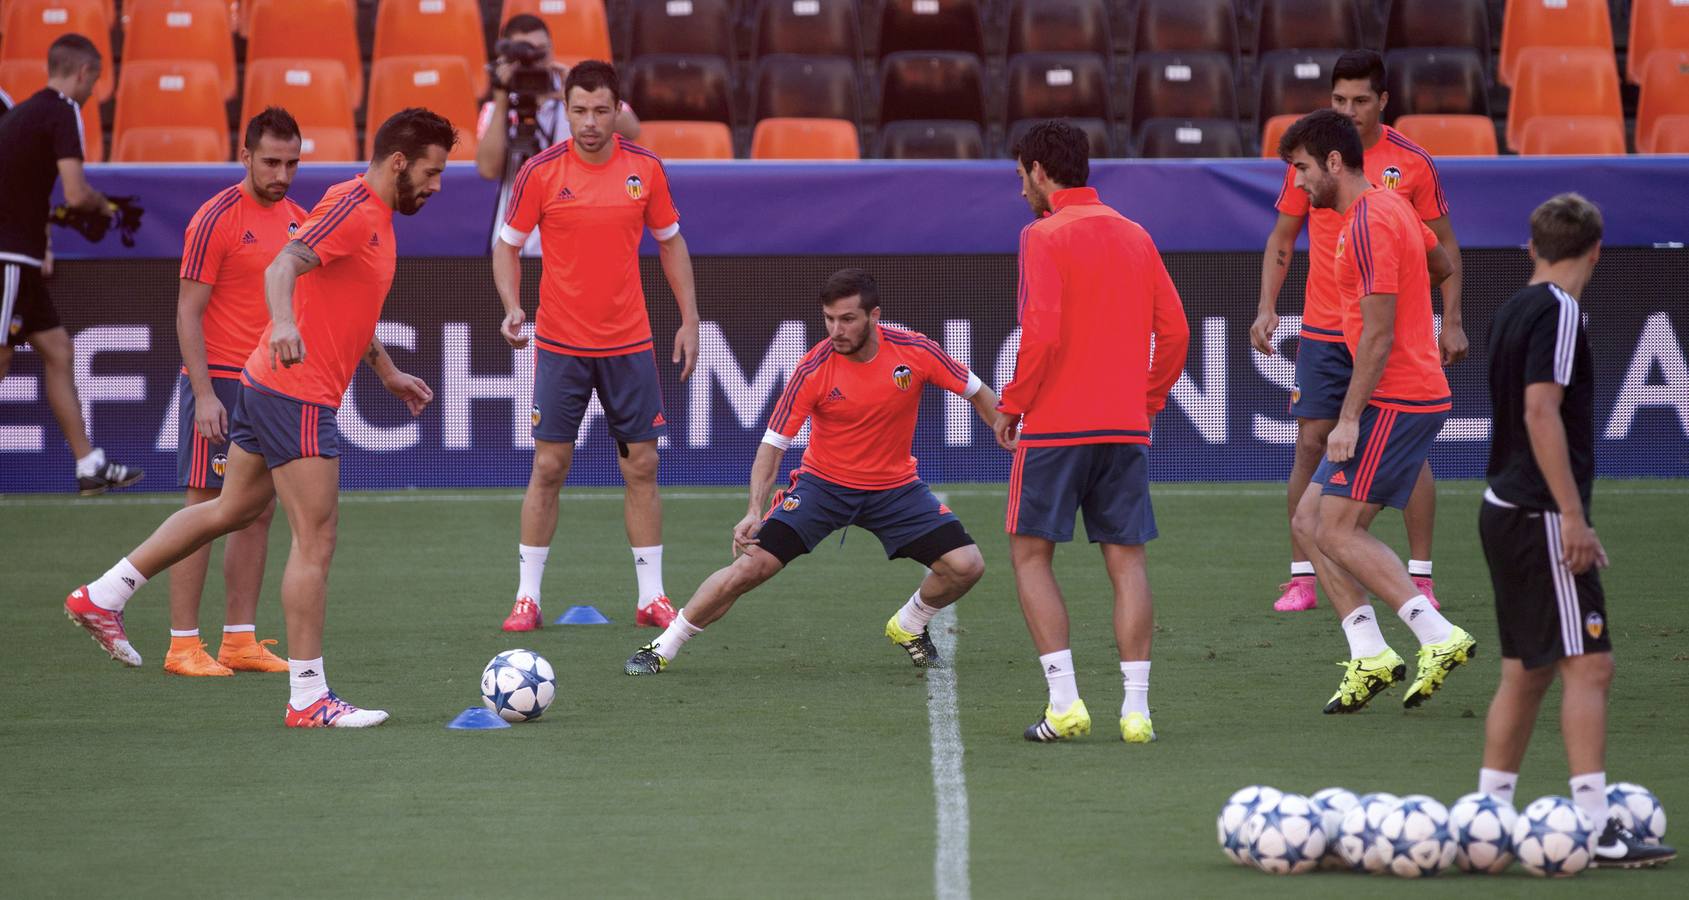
x=792, y=502
x=1340, y=242
x=1392, y=177
x=1295, y=394
x=1594, y=624
x=536, y=415
x=15, y=326
x=635, y=187
x=902, y=376
x=219, y=464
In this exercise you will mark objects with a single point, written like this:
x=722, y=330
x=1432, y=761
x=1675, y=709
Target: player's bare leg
x=710, y=602
x=245, y=554
x=1420, y=517
x=1134, y=626
x=1584, y=683
x=1045, y=612
x=1513, y=715
x=642, y=514
x=1344, y=539
x=5, y=359
x=947, y=579
x=1372, y=666
x=1301, y=592
x=538, y=524
x=58, y=376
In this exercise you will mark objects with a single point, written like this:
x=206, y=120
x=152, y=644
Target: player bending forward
x=861, y=391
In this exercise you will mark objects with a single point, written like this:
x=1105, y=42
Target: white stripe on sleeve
x=663, y=234
x=776, y=439
x=974, y=384
x=1565, y=337
x=511, y=236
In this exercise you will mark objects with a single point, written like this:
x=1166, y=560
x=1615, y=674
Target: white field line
x=950, y=789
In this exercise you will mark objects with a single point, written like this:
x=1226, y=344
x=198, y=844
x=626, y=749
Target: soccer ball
x=1236, y=812
x=1483, y=829
x=1285, y=838
x=518, y=685
x=1414, y=838
x=1554, y=838
x=1332, y=803
x=1638, y=809
x=1355, y=836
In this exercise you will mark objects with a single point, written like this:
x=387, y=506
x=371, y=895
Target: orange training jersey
x=590, y=220
x=862, y=415
x=1093, y=292
x=229, y=243
x=1395, y=163
x=337, y=304
x=1381, y=250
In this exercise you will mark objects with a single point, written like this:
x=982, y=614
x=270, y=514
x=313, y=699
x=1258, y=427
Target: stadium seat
x=433, y=28
x=1573, y=136
x=1551, y=23
x=1059, y=26
x=932, y=139
x=1096, y=131
x=1165, y=26
x=1294, y=81
x=440, y=83
x=30, y=27
x=1670, y=135
x=308, y=29
x=931, y=25
x=1275, y=129
x=810, y=27
x=321, y=143
x=1436, y=80
x=20, y=78
x=805, y=139
x=1197, y=85
x=1654, y=25
x=1172, y=138
x=181, y=29
x=314, y=91
x=1665, y=92
x=179, y=145
x=1057, y=85
x=691, y=88
x=1450, y=135
x=1300, y=24
x=165, y=94
x=1562, y=81
x=931, y=85
x=1439, y=23
x=579, y=28
x=806, y=87
x=687, y=140
x=683, y=27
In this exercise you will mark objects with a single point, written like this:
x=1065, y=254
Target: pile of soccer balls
x=518, y=685
x=1417, y=837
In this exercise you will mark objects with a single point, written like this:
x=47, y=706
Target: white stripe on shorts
x=1565, y=588
x=8, y=297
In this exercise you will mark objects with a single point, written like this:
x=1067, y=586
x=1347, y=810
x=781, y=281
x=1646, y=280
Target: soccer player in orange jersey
x=592, y=197
x=860, y=391
x=324, y=291
x=220, y=313
x=1395, y=404
x=1323, y=362
x=1094, y=294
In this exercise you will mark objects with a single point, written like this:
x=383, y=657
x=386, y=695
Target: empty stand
x=1286, y=24
x=923, y=85
x=1451, y=135
x=21, y=78
x=1186, y=25
x=314, y=91
x=931, y=25
x=1439, y=23
x=1274, y=129
x=687, y=140
x=308, y=29
x=1189, y=138
x=691, y=88
x=814, y=87
x=182, y=95
x=161, y=145
x=1654, y=25
x=919, y=139
x=579, y=28
x=441, y=83
x=1553, y=81
x=1665, y=92
x=1059, y=26
x=31, y=27
x=1197, y=85
x=1096, y=132
x=1670, y=135
x=1294, y=81
x=181, y=29
x=811, y=27
x=321, y=143
x=1057, y=85
x=805, y=139
x=1551, y=23
x=1441, y=80
x=433, y=28
x=1573, y=136
x=687, y=27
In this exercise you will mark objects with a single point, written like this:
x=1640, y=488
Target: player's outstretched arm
x=763, y=472
x=409, y=388
x=1378, y=334
x=507, y=280
x=1275, y=265
x=294, y=260
x=677, y=268
x=1452, y=338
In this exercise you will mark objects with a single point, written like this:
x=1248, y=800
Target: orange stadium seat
x=1436, y=81
x=1174, y=138
x=169, y=94
x=691, y=88
x=1057, y=85
x=806, y=87
x=31, y=26
x=932, y=139
x=1551, y=23
x=181, y=29
x=1165, y=26
x=931, y=25
x=314, y=91
x=1275, y=129
x=433, y=28
x=149, y=144
x=687, y=140
x=110, y=6
x=699, y=27
x=1295, y=81
x=1655, y=25
x=805, y=139
x=579, y=28
x=1671, y=135
x=1096, y=132
x=440, y=83
x=1059, y=26
x=1562, y=81
x=1665, y=92
x=1451, y=135
x=811, y=27
x=1439, y=23
x=931, y=85
x=309, y=29
x=1301, y=24
x=1197, y=85
x=20, y=78
x=1573, y=136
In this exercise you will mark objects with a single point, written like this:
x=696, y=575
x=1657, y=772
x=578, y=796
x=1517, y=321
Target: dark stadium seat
x=441, y=83
x=1443, y=136
x=20, y=78
x=181, y=95
x=1562, y=81
x=1197, y=85
x=683, y=27
x=1059, y=26
x=812, y=87
x=931, y=25
x=810, y=27
x=932, y=139
x=579, y=28
x=1168, y=25
x=1665, y=93
x=1286, y=24
x=1439, y=23
x=307, y=29
x=1057, y=85
x=805, y=139
x=1573, y=136
x=1096, y=131
x=1294, y=81
x=931, y=85
x=1188, y=138
x=1655, y=25
x=668, y=86
x=686, y=140
x=1561, y=23
x=29, y=27
x=433, y=28
x=1436, y=80
x=181, y=29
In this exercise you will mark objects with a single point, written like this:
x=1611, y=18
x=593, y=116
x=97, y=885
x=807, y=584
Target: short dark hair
x=1565, y=226
x=273, y=121
x=1358, y=64
x=1320, y=133
x=523, y=23
x=852, y=283
x=412, y=131
x=69, y=53
x=1063, y=150
x=591, y=75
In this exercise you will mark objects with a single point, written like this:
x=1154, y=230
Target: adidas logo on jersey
x=835, y=394
x=374, y=239
x=249, y=238
x=565, y=194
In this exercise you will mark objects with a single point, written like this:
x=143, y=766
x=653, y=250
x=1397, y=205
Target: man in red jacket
x=1093, y=295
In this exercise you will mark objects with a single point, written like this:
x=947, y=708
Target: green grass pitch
x=786, y=753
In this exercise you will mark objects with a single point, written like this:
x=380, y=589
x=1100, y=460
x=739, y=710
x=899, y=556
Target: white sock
x=1361, y=628
x=1058, y=671
x=530, y=568
x=113, y=589
x=1589, y=793
x=1301, y=570
x=1135, y=675
x=89, y=466
x=184, y=633
x=915, y=615
x=675, y=636
x=1498, y=784
x=1419, y=568
x=1428, y=625
x=237, y=629
x=305, y=678
x=648, y=568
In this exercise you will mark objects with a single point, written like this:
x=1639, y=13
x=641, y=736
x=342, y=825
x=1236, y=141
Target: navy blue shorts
x=1110, y=482
x=627, y=387
x=900, y=516
x=1323, y=369
x=1392, y=448
x=282, y=429
x=200, y=462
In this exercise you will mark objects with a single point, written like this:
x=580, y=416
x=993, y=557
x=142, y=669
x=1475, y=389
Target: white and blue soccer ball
x=1414, y=838
x=1239, y=807
x=1285, y=838
x=1554, y=838
x=1356, y=836
x=1638, y=809
x=1483, y=831
x=518, y=685
x=1332, y=803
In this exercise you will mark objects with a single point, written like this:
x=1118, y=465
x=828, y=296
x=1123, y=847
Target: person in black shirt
x=40, y=142
x=1542, y=551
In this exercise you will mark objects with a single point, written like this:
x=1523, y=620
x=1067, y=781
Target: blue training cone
x=581, y=615
x=477, y=718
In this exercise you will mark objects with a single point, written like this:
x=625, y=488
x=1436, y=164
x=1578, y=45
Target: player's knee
x=1593, y=671
x=266, y=514
x=639, y=467
x=1305, y=524
x=1310, y=444
x=965, y=565
x=550, y=469
x=751, y=570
